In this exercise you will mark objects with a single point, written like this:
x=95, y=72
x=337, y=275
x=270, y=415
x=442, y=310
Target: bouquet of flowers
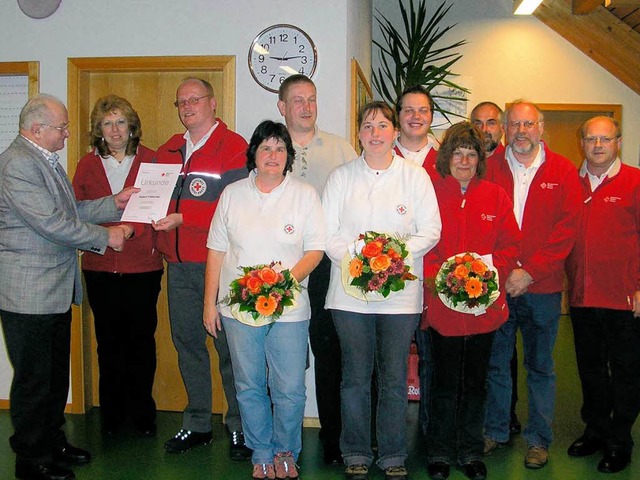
x=376, y=265
x=467, y=283
x=261, y=293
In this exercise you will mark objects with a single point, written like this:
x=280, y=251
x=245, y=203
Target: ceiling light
x=525, y=7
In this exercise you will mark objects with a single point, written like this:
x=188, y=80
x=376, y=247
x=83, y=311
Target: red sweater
x=479, y=221
x=219, y=162
x=140, y=253
x=604, y=265
x=550, y=220
x=429, y=163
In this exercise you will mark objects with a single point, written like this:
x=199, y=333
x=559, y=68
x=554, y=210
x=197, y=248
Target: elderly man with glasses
x=544, y=188
x=41, y=228
x=604, y=287
x=212, y=157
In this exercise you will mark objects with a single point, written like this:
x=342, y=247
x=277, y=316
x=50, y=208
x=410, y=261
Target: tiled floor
x=128, y=457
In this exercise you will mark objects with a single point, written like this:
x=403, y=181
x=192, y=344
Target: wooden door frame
x=32, y=71
x=78, y=70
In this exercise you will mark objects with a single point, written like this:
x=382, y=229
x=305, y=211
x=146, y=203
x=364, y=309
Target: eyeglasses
x=602, y=140
x=528, y=124
x=118, y=124
x=61, y=128
x=190, y=101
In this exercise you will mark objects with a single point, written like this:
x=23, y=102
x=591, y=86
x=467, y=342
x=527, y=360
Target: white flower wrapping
x=461, y=306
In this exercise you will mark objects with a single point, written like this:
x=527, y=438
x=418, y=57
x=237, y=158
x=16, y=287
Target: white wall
x=92, y=28
x=511, y=57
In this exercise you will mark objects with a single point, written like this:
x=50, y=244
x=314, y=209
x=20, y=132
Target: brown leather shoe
x=537, y=457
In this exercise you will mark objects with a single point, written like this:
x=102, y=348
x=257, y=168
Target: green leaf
x=412, y=54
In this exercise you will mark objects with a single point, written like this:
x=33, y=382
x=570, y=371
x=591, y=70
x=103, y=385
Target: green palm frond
x=413, y=54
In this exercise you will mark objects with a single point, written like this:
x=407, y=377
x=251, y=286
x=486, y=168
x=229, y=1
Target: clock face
x=278, y=52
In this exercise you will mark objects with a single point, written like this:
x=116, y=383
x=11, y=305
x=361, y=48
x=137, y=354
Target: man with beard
x=604, y=295
x=487, y=117
x=545, y=190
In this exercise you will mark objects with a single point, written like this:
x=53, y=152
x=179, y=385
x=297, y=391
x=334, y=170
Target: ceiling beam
x=582, y=7
x=600, y=35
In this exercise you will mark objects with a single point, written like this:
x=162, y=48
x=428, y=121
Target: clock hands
x=284, y=58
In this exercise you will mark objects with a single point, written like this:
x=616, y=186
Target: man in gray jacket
x=41, y=226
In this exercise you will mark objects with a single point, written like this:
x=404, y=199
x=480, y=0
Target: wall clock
x=38, y=8
x=280, y=51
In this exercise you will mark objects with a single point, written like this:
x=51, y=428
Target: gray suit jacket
x=41, y=226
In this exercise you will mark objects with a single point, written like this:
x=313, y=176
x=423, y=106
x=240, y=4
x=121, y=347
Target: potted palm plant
x=414, y=54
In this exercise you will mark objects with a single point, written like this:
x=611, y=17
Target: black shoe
x=614, y=461
x=148, y=430
x=332, y=454
x=515, y=427
x=475, y=470
x=438, y=470
x=186, y=439
x=584, y=446
x=238, y=450
x=70, y=455
x=27, y=471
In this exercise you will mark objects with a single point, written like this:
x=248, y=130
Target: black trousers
x=38, y=348
x=124, y=311
x=608, y=354
x=458, y=396
x=325, y=346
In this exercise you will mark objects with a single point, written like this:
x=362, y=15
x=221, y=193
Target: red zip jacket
x=140, y=253
x=219, y=162
x=551, y=217
x=479, y=221
x=429, y=163
x=604, y=265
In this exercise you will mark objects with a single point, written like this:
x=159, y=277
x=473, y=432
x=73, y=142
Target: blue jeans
x=537, y=316
x=269, y=369
x=383, y=341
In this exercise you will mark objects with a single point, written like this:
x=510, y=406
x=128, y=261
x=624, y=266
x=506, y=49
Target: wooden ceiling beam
x=582, y=7
x=600, y=35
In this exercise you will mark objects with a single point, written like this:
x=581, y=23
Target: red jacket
x=429, y=163
x=140, y=253
x=219, y=162
x=604, y=265
x=550, y=220
x=479, y=221
x=498, y=153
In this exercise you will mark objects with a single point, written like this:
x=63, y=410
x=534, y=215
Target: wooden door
x=149, y=83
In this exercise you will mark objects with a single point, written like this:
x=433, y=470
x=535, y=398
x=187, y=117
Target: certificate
x=156, y=182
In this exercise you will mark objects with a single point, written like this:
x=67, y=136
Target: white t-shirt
x=398, y=200
x=257, y=228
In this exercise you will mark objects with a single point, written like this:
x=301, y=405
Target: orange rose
x=254, y=284
x=393, y=254
x=268, y=276
x=458, y=260
x=380, y=263
x=355, y=267
x=265, y=306
x=461, y=271
x=473, y=288
x=467, y=258
x=478, y=266
x=243, y=281
x=372, y=249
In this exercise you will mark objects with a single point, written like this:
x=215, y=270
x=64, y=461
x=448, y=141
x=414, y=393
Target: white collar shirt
x=191, y=147
x=522, y=178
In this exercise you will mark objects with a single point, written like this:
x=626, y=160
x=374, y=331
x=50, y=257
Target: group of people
x=290, y=195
